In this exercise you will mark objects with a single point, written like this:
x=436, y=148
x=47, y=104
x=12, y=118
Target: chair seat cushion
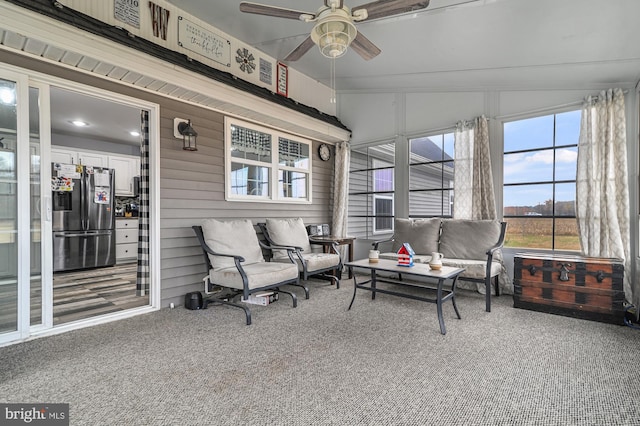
x=315, y=261
x=259, y=274
x=473, y=268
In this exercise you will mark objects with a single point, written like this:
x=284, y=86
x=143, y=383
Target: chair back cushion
x=468, y=239
x=421, y=234
x=288, y=232
x=236, y=237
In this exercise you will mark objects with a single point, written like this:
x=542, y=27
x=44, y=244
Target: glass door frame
x=46, y=269
x=22, y=204
x=25, y=80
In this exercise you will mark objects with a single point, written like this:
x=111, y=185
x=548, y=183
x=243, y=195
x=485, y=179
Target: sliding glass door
x=39, y=294
x=8, y=207
x=34, y=119
x=20, y=210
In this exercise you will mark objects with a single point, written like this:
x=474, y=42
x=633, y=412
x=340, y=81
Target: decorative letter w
x=160, y=20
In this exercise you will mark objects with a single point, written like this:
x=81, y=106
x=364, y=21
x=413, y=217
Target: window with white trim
x=265, y=164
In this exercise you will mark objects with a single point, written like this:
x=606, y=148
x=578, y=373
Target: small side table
x=328, y=240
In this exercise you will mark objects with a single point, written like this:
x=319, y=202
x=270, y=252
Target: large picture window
x=540, y=159
x=431, y=166
x=371, y=190
x=266, y=165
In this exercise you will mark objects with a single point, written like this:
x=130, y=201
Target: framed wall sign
x=200, y=40
x=127, y=11
x=283, y=80
x=265, y=71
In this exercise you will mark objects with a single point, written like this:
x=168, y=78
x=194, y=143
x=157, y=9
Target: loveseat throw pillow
x=468, y=239
x=421, y=234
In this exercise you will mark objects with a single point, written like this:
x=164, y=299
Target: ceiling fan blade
x=300, y=50
x=328, y=4
x=364, y=47
x=278, y=12
x=384, y=8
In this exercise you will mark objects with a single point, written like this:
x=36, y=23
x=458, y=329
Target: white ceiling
x=452, y=45
x=459, y=44
x=107, y=120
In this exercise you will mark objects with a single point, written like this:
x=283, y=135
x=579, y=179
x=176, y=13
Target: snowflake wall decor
x=245, y=59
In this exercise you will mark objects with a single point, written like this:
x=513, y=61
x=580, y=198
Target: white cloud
x=512, y=158
x=566, y=156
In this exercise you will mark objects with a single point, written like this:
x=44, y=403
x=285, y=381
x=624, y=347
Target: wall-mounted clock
x=324, y=152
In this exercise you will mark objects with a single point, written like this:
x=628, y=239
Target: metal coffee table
x=417, y=270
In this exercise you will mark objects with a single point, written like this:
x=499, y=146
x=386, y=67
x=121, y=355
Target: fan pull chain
x=332, y=81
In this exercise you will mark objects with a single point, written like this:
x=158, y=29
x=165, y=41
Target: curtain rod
x=550, y=108
x=414, y=135
x=438, y=130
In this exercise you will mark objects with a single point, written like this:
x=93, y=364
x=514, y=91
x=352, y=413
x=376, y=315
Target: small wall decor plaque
x=265, y=71
x=246, y=60
x=127, y=11
x=159, y=20
x=204, y=42
x=283, y=80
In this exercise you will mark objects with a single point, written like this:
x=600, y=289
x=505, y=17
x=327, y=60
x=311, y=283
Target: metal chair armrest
x=375, y=244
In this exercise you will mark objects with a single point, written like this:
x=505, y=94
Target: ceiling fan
x=334, y=30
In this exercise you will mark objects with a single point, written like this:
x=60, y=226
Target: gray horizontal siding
x=192, y=190
x=361, y=205
x=192, y=183
x=431, y=203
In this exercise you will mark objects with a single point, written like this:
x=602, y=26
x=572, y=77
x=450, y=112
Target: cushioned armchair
x=292, y=232
x=234, y=259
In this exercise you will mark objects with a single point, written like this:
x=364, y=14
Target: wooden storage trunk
x=581, y=287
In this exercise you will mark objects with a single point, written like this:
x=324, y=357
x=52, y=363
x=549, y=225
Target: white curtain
x=473, y=184
x=473, y=178
x=341, y=189
x=602, y=193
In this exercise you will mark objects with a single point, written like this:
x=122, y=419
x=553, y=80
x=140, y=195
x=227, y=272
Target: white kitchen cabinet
x=74, y=156
x=126, y=240
x=126, y=168
x=64, y=156
x=92, y=159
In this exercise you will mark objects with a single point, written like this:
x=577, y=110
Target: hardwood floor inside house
x=77, y=295
x=84, y=294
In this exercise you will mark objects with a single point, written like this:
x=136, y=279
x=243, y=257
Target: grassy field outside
x=537, y=233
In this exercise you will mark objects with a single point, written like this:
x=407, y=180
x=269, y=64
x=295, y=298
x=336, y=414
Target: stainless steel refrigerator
x=83, y=217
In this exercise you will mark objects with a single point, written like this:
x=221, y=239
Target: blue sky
x=537, y=166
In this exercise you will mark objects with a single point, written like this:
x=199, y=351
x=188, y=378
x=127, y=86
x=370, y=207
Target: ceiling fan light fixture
x=333, y=35
x=335, y=28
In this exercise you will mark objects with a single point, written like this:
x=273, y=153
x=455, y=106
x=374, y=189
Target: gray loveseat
x=471, y=244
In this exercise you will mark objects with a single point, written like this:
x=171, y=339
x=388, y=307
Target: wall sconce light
x=182, y=130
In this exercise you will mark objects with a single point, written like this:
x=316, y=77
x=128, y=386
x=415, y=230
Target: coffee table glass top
x=417, y=269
